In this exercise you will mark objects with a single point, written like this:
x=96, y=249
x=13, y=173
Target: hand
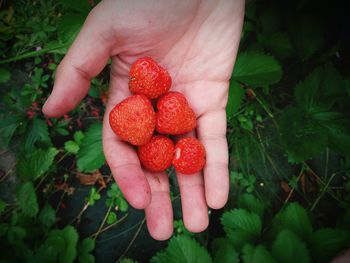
x=196, y=41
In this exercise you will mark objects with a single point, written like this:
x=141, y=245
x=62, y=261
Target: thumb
x=85, y=59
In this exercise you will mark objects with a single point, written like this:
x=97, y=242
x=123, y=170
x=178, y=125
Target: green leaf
x=64, y=243
x=302, y=136
x=5, y=75
x=15, y=234
x=8, y=125
x=47, y=216
x=320, y=90
x=27, y=200
x=235, y=98
x=327, y=242
x=257, y=254
x=288, y=248
x=81, y=6
x=84, y=248
x=295, y=218
x=224, y=251
x=71, y=147
x=2, y=206
x=69, y=26
x=127, y=260
x=90, y=155
x=78, y=137
x=182, y=249
x=251, y=203
x=339, y=135
x=306, y=34
x=279, y=43
x=241, y=226
x=32, y=167
x=38, y=132
x=111, y=218
x=93, y=196
x=256, y=69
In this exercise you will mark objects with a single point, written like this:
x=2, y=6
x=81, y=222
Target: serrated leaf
x=241, y=226
x=306, y=35
x=302, y=136
x=224, y=251
x=235, y=97
x=38, y=132
x=5, y=75
x=339, y=135
x=251, y=203
x=8, y=125
x=326, y=243
x=182, y=249
x=47, y=216
x=256, y=69
x=287, y=247
x=320, y=90
x=90, y=156
x=27, y=200
x=257, y=254
x=69, y=26
x=84, y=248
x=71, y=147
x=32, y=167
x=64, y=242
x=295, y=218
x=111, y=218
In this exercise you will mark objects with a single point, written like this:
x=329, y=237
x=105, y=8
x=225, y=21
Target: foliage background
x=288, y=135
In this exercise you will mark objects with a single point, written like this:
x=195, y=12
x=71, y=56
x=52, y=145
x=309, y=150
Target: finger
x=194, y=207
x=122, y=158
x=159, y=213
x=85, y=59
x=211, y=131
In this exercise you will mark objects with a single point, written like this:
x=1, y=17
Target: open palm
x=196, y=41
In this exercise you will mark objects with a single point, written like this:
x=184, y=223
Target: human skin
x=197, y=42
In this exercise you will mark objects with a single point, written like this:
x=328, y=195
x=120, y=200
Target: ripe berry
x=133, y=119
x=148, y=78
x=174, y=115
x=189, y=156
x=157, y=154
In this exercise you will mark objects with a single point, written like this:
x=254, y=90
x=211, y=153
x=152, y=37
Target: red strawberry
x=157, y=154
x=133, y=119
x=174, y=115
x=189, y=156
x=148, y=78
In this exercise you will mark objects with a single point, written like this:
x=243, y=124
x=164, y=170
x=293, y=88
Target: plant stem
x=109, y=226
x=103, y=222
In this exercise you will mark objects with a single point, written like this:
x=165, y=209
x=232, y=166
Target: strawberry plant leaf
x=306, y=35
x=302, y=136
x=36, y=164
x=38, y=132
x=5, y=75
x=78, y=137
x=47, y=216
x=27, y=200
x=80, y=6
x=69, y=26
x=71, y=147
x=111, y=218
x=182, y=249
x=235, y=98
x=295, y=218
x=90, y=155
x=8, y=125
x=279, y=43
x=224, y=251
x=327, y=242
x=84, y=248
x=251, y=204
x=241, y=226
x=257, y=254
x=256, y=69
x=339, y=135
x=320, y=90
x=287, y=246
